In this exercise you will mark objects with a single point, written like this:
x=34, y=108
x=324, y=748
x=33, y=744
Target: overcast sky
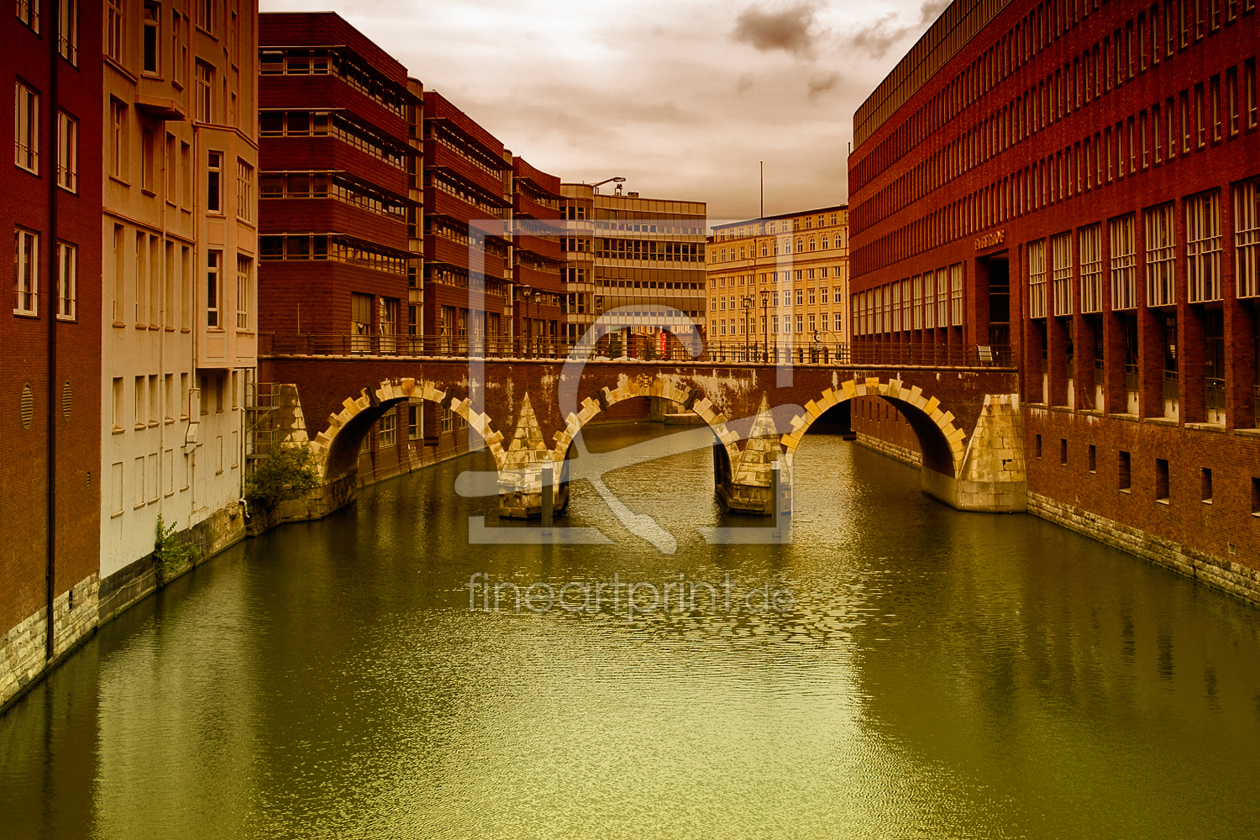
x=682, y=97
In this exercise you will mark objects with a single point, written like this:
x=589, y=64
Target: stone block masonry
x=23, y=653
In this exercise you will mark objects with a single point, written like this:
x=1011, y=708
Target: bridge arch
x=940, y=439
x=645, y=385
x=336, y=449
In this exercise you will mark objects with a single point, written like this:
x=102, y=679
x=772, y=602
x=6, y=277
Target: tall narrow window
x=1037, y=279
x=28, y=13
x=205, y=14
x=67, y=280
x=67, y=152
x=1160, y=252
x=205, y=92
x=1247, y=238
x=1123, y=262
x=1089, y=242
x=244, y=191
x=244, y=290
x=26, y=265
x=152, y=44
x=214, y=182
x=214, y=261
x=68, y=30
x=26, y=128
x=114, y=30
x=1061, y=256
x=179, y=53
x=1203, y=247
x=118, y=139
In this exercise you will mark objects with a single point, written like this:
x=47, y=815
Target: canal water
x=918, y=672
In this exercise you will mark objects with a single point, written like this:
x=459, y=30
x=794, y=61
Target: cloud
x=744, y=83
x=878, y=37
x=786, y=29
x=821, y=84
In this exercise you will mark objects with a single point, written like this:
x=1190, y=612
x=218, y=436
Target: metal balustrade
x=640, y=349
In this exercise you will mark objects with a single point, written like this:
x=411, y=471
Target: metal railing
x=1131, y=378
x=1214, y=393
x=640, y=348
x=1172, y=383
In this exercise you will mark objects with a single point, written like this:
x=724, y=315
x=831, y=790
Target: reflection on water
x=935, y=674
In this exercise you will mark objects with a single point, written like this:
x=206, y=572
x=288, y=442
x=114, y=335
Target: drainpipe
x=50, y=573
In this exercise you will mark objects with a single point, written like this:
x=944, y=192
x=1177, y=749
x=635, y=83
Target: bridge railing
x=643, y=348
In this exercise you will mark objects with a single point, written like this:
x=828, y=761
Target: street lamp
x=748, y=302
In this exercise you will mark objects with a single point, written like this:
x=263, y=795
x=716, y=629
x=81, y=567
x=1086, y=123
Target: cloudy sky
x=682, y=97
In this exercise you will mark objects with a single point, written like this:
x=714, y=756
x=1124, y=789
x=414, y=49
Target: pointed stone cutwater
x=520, y=479
x=749, y=488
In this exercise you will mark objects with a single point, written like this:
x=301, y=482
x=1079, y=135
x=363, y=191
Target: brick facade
x=1077, y=180
x=50, y=354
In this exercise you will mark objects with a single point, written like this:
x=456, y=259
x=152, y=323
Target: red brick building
x=50, y=342
x=537, y=267
x=1078, y=180
x=335, y=155
x=467, y=230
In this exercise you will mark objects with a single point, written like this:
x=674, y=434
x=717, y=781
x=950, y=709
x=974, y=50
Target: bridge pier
x=994, y=476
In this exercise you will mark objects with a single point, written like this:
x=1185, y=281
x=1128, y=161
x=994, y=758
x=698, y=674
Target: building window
x=205, y=14
x=244, y=290
x=179, y=53
x=1160, y=254
x=387, y=432
x=214, y=261
x=1061, y=257
x=205, y=92
x=26, y=265
x=1203, y=247
x=68, y=30
x=26, y=128
x=114, y=30
x=1089, y=243
x=67, y=280
x=244, y=191
x=1037, y=279
x=28, y=13
x=214, y=182
x=151, y=44
x=67, y=151
x=118, y=139
x=955, y=295
x=1123, y=262
x=1247, y=238
x=1161, y=480
x=1124, y=479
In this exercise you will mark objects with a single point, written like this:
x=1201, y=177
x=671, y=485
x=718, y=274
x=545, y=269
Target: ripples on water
x=939, y=675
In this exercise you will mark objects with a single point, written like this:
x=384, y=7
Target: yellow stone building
x=780, y=281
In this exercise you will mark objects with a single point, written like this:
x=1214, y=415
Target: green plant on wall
x=171, y=552
x=287, y=473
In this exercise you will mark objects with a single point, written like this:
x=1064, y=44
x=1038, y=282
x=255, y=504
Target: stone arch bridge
x=528, y=413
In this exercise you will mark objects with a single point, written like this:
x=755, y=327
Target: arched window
x=800, y=246
x=824, y=243
x=776, y=249
x=812, y=244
